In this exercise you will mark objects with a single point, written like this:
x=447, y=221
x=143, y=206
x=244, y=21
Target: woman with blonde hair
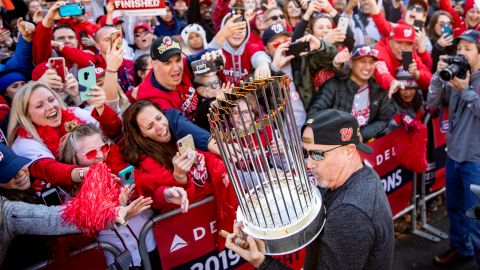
x=38, y=121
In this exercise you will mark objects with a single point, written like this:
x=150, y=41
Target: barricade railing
x=105, y=246
x=142, y=246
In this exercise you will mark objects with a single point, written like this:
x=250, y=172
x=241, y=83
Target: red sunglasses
x=93, y=153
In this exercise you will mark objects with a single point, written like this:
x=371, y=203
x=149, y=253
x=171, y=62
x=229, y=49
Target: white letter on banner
x=196, y=236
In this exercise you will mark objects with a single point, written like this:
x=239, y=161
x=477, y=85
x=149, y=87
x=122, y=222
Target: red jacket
x=384, y=27
x=4, y=108
x=86, y=26
x=152, y=178
x=184, y=98
x=42, y=46
x=387, y=64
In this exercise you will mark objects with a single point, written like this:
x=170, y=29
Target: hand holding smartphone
x=86, y=80
x=240, y=11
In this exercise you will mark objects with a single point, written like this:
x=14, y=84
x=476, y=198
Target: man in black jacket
x=358, y=94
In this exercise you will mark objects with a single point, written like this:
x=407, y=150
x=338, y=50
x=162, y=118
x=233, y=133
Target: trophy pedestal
x=296, y=235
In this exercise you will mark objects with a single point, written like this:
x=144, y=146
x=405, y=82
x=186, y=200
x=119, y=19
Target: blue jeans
x=464, y=231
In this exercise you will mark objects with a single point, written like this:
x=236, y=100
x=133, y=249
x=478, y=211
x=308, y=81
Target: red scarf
x=51, y=136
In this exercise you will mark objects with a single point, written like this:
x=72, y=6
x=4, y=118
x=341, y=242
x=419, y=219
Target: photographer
x=463, y=154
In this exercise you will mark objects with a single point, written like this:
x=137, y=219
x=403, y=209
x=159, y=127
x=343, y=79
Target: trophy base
x=295, y=236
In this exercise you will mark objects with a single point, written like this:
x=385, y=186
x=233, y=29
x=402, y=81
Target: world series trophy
x=254, y=127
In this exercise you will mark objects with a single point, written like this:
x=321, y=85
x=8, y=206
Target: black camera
x=457, y=67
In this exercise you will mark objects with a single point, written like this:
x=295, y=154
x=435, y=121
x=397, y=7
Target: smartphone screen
x=418, y=25
x=58, y=64
x=447, y=30
x=241, y=12
x=406, y=59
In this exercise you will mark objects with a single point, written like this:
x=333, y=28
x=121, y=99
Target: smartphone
x=86, y=80
x=114, y=36
x=186, y=144
x=446, y=30
x=298, y=47
x=71, y=10
x=343, y=24
x=51, y=197
x=58, y=64
x=126, y=175
x=406, y=59
x=418, y=25
x=241, y=11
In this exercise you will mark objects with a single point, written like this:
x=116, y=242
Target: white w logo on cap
x=277, y=28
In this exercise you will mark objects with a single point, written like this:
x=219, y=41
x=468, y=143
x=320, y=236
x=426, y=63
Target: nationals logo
x=346, y=134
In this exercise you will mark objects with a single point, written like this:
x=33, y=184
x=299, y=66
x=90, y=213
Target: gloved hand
x=405, y=120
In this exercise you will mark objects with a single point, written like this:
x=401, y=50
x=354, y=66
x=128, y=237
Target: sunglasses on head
x=276, y=17
x=93, y=153
x=417, y=9
x=317, y=155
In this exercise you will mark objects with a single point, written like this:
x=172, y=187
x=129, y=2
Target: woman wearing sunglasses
x=84, y=145
x=38, y=121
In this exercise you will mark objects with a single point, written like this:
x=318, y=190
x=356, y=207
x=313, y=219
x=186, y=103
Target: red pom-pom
x=411, y=147
x=95, y=206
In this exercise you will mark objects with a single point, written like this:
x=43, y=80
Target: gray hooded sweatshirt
x=18, y=218
x=463, y=142
x=236, y=54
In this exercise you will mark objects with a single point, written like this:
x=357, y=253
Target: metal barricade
x=142, y=245
x=105, y=246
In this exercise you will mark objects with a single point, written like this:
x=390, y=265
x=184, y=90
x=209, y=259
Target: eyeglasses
x=212, y=85
x=93, y=153
x=417, y=9
x=276, y=17
x=317, y=155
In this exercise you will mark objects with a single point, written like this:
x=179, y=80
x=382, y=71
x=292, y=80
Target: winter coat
x=17, y=218
x=339, y=94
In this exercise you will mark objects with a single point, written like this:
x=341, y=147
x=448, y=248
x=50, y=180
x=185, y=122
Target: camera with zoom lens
x=457, y=67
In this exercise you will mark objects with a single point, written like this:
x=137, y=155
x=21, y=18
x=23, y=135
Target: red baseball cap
x=142, y=25
x=208, y=2
x=403, y=32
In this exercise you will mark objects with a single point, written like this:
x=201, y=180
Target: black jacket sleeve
x=324, y=98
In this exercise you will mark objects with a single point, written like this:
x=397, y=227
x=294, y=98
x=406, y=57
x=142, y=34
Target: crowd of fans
x=372, y=59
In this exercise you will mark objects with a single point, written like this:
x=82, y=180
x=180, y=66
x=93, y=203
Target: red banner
x=139, y=7
x=396, y=180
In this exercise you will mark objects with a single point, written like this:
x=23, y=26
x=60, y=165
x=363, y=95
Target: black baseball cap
x=274, y=31
x=334, y=127
x=163, y=48
x=10, y=163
